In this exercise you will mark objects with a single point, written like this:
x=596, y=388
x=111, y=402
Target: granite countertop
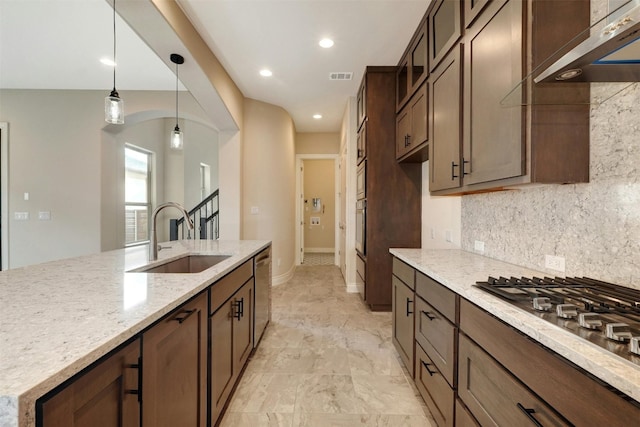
x=459, y=270
x=59, y=317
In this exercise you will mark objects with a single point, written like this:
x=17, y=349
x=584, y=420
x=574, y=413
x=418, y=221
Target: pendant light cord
x=114, y=45
x=176, y=95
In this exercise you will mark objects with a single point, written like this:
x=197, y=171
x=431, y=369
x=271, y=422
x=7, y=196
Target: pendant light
x=176, y=134
x=113, y=104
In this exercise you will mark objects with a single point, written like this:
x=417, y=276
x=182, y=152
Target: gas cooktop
x=605, y=314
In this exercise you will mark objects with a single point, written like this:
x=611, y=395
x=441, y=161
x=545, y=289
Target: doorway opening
x=317, y=209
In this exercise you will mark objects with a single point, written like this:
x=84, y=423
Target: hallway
x=325, y=360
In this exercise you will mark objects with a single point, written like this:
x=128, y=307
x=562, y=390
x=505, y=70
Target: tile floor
x=325, y=360
x=318, y=258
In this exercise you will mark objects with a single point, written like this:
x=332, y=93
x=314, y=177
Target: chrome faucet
x=153, y=245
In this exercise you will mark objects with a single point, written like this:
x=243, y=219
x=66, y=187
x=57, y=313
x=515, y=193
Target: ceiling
x=56, y=44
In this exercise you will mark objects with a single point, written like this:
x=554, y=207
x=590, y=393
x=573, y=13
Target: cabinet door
x=472, y=9
x=174, y=368
x=434, y=389
x=403, y=129
x=495, y=397
x=242, y=326
x=361, y=103
x=494, y=141
x=221, y=365
x=362, y=142
x=445, y=28
x=403, y=338
x=104, y=396
x=402, y=82
x=445, y=115
x=411, y=124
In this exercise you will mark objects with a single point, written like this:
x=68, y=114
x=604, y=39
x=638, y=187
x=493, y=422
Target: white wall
x=269, y=182
x=63, y=155
x=441, y=222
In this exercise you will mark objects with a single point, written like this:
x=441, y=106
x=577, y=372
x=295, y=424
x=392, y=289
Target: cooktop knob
x=618, y=332
x=567, y=311
x=589, y=320
x=541, y=304
x=634, y=345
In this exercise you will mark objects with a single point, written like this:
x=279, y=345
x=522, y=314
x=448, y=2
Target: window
x=137, y=195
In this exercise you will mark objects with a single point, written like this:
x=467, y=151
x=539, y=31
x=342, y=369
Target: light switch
x=26, y=196
x=21, y=216
x=255, y=210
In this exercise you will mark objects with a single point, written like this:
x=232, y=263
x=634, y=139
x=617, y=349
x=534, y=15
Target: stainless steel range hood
x=611, y=54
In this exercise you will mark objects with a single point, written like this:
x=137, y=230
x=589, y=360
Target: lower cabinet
x=494, y=396
x=174, y=370
x=403, y=338
x=231, y=326
x=106, y=395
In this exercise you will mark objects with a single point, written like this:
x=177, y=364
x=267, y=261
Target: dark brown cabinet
x=231, y=326
x=392, y=190
x=413, y=68
x=106, y=395
x=412, y=128
x=174, y=372
x=362, y=143
x=434, y=389
x=513, y=133
x=445, y=29
x=445, y=109
x=403, y=312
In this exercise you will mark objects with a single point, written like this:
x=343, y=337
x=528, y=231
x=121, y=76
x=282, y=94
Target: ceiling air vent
x=343, y=75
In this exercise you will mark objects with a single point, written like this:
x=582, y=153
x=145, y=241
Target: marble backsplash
x=594, y=226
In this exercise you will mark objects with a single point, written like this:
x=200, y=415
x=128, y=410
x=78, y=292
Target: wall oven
x=361, y=227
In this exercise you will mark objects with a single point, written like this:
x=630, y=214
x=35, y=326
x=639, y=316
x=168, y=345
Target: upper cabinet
x=445, y=29
x=502, y=144
x=413, y=68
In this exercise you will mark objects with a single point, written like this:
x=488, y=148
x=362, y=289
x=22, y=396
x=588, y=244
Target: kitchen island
x=58, y=318
x=458, y=271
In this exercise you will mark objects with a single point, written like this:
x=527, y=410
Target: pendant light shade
x=176, y=141
x=113, y=104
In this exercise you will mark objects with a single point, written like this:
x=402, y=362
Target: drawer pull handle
x=453, y=174
x=429, y=315
x=408, y=310
x=529, y=413
x=137, y=391
x=236, y=309
x=426, y=366
x=185, y=314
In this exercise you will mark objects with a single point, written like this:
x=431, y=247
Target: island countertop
x=459, y=270
x=59, y=317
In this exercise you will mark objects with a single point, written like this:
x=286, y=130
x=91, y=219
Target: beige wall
x=319, y=181
x=317, y=143
x=268, y=182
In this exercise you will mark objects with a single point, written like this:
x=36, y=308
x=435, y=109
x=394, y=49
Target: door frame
x=4, y=179
x=300, y=158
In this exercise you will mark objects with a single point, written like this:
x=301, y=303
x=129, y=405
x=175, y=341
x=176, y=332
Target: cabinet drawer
x=224, y=288
x=434, y=389
x=578, y=397
x=494, y=396
x=361, y=268
x=404, y=272
x=441, y=298
x=437, y=336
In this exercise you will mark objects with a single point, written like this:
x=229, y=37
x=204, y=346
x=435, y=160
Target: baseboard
x=319, y=250
x=354, y=288
x=283, y=278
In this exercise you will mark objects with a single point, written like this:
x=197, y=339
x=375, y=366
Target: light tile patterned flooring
x=318, y=258
x=325, y=360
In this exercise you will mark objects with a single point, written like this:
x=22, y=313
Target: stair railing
x=206, y=217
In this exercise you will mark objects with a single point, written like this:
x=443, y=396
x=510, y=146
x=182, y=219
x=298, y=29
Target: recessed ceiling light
x=108, y=61
x=317, y=116
x=326, y=43
x=266, y=73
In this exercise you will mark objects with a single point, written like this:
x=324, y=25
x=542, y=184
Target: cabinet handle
x=429, y=315
x=426, y=366
x=408, y=310
x=407, y=140
x=241, y=307
x=529, y=413
x=183, y=315
x=235, y=309
x=453, y=175
x=137, y=391
x=464, y=162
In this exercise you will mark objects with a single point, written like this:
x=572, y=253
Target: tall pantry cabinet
x=392, y=191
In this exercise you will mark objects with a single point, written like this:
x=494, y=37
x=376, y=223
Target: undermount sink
x=186, y=264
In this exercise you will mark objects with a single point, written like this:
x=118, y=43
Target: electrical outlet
x=447, y=236
x=255, y=210
x=433, y=233
x=21, y=216
x=554, y=262
x=478, y=246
